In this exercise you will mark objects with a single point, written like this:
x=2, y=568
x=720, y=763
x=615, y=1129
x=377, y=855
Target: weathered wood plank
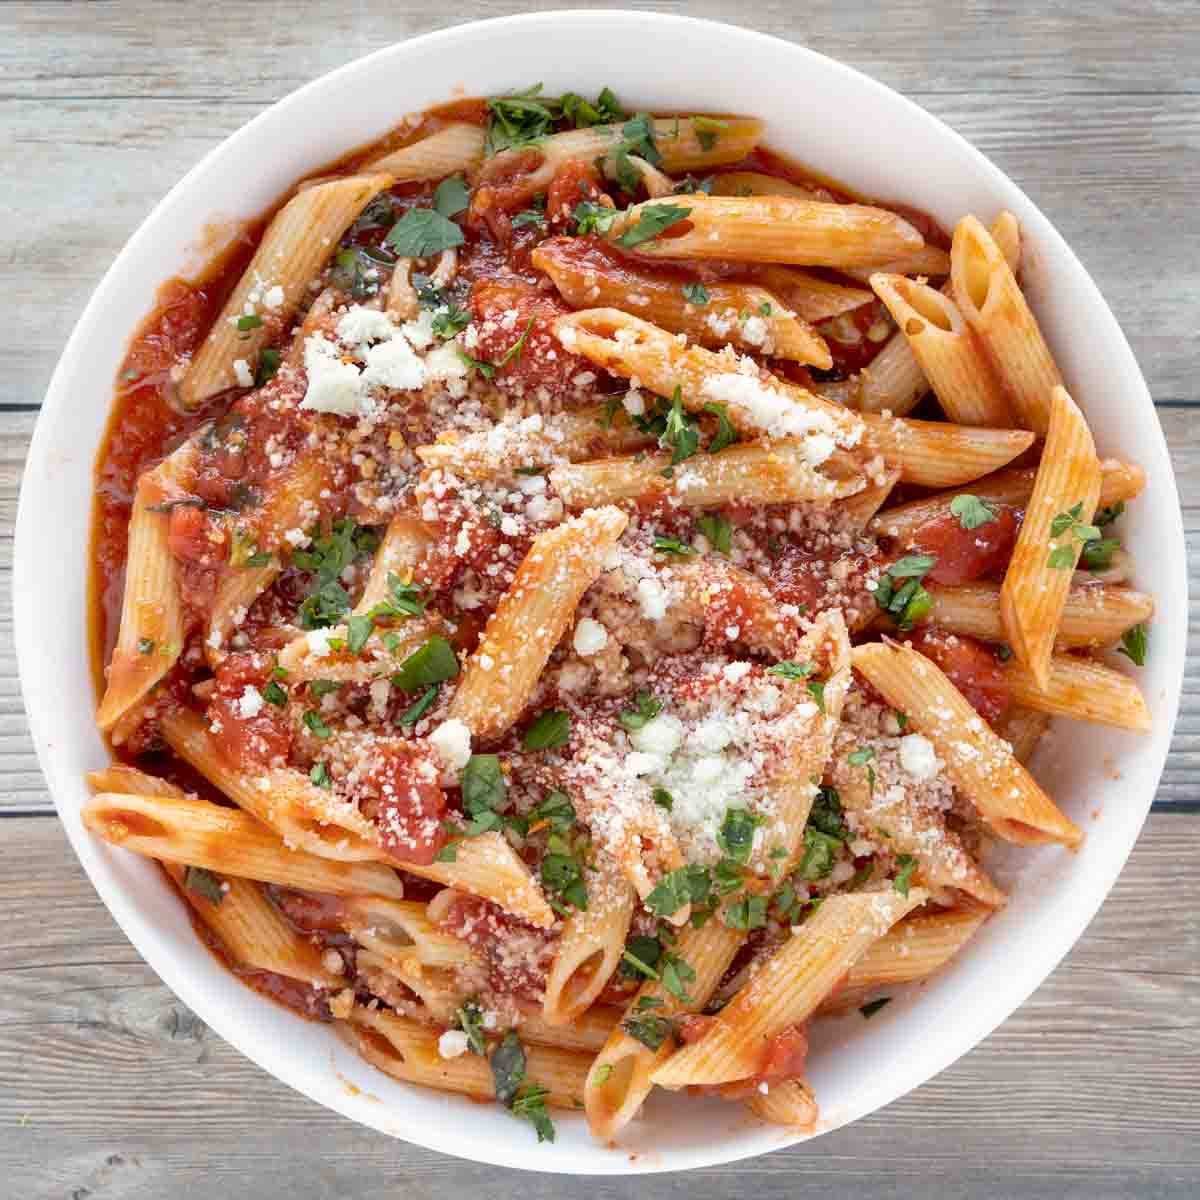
x=259, y=51
x=1107, y=1045
x=1117, y=174
x=23, y=789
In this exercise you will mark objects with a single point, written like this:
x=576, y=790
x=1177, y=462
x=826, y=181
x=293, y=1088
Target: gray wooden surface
x=109, y=1088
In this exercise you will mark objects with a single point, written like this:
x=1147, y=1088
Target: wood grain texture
x=113, y=1089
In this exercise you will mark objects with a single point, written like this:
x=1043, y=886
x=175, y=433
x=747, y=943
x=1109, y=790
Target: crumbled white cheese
x=653, y=598
x=273, y=298
x=774, y=412
x=242, y=373
x=452, y=1043
x=590, y=637
x=250, y=702
x=318, y=642
x=917, y=756
x=452, y=741
x=334, y=386
x=662, y=735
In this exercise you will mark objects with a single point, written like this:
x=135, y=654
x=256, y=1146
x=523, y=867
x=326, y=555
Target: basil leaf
x=551, y=728
x=434, y=662
x=971, y=511
x=203, y=883
x=508, y=1068
x=652, y=220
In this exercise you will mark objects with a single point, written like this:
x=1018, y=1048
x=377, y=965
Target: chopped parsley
x=736, y=835
x=519, y=119
x=415, y=711
x=747, y=912
x=1109, y=513
x=248, y=322
x=319, y=774
x=676, y=973
x=635, y=965
x=434, y=662
x=707, y=130
x=604, y=110
x=726, y=435
x=1071, y=524
x=562, y=873
x=826, y=814
x=509, y=1074
x=687, y=885
x=816, y=690
x=451, y=196
x=717, y=530
x=274, y=694
x=863, y=758
x=907, y=865
x=145, y=645
x=695, y=293
x=268, y=365
x=820, y=852
x=873, y=1006
x=470, y=1021
x=556, y=810
x=653, y=219
x=422, y=232
x=591, y=217
x=358, y=630
x=450, y=321
x=680, y=433
x=971, y=511
x=551, y=728
x=312, y=719
x=908, y=602
x=535, y=214
x=1098, y=553
x=666, y=545
x=645, y=709
x=652, y=1031
x=792, y=670
x=204, y=883
x=663, y=798
x=1133, y=645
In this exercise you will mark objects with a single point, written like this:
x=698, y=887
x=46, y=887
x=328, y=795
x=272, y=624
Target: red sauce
x=400, y=793
x=260, y=739
x=518, y=955
x=964, y=555
x=970, y=666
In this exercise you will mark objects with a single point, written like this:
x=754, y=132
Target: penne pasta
x=197, y=833
x=737, y=314
x=927, y=260
x=1022, y=729
x=755, y=183
x=1057, y=523
x=912, y=950
x=937, y=454
x=452, y=150
x=859, y=510
x=152, y=622
x=788, y=988
x=789, y=1103
x=812, y=297
x=893, y=382
x=252, y=933
x=777, y=473
x=590, y=946
x=398, y=928
x=408, y=1050
x=770, y=229
x=755, y=403
x=1083, y=689
x=981, y=764
x=1118, y=481
x=501, y=675
x=1093, y=615
x=950, y=357
x=297, y=243
x=991, y=300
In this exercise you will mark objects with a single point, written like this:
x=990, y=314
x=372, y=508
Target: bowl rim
x=176, y=975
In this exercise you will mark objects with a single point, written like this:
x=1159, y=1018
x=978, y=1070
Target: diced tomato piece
x=785, y=1055
x=188, y=536
x=970, y=666
x=310, y=912
x=964, y=555
x=513, y=311
x=574, y=181
x=401, y=794
x=518, y=955
x=261, y=738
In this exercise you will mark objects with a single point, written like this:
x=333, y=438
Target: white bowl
x=845, y=125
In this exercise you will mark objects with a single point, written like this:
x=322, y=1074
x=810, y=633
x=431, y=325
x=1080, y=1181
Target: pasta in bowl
x=590, y=590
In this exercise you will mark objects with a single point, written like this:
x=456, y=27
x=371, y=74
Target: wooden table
x=110, y=1088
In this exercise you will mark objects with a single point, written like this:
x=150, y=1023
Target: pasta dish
x=576, y=595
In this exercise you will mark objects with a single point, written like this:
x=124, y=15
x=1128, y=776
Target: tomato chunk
x=694, y=1026
x=245, y=727
x=964, y=555
x=510, y=312
x=970, y=666
x=188, y=536
x=399, y=791
x=574, y=181
x=518, y=955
